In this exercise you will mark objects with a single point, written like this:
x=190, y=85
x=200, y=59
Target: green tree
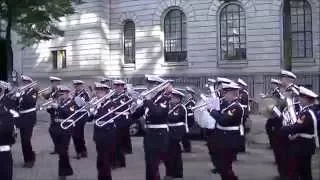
x=33, y=20
x=287, y=36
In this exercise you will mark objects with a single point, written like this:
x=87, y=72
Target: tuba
x=269, y=101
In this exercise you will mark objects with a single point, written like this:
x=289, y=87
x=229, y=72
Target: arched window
x=175, y=36
x=232, y=33
x=129, y=42
x=301, y=28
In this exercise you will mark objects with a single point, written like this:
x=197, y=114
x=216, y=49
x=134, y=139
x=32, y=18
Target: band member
x=178, y=127
x=156, y=138
x=80, y=97
x=303, y=138
x=244, y=101
x=28, y=116
x=189, y=104
x=273, y=124
x=210, y=131
x=281, y=142
x=104, y=136
x=7, y=136
x=62, y=110
x=52, y=95
x=228, y=132
x=122, y=123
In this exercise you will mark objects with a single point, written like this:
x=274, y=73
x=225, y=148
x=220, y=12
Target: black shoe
x=28, y=165
x=78, y=156
x=62, y=177
x=53, y=152
x=214, y=171
x=84, y=155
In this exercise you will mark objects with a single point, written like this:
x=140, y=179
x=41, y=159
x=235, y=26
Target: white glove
x=213, y=103
x=148, y=97
x=54, y=105
x=18, y=94
x=79, y=101
x=139, y=102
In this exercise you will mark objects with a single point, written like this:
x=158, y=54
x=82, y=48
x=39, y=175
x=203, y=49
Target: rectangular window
x=59, y=59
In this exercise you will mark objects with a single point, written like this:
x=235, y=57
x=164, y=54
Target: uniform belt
x=61, y=120
x=176, y=124
x=123, y=113
x=157, y=126
x=5, y=148
x=304, y=135
x=28, y=110
x=229, y=128
x=190, y=114
x=244, y=106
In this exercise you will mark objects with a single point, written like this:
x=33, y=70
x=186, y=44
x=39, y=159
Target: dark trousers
x=211, y=150
x=173, y=163
x=25, y=135
x=269, y=131
x=153, y=159
x=53, y=138
x=186, y=143
x=281, y=155
x=63, y=141
x=224, y=164
x=78, y=138
x=126, y=139
x=105, y=154
x=119, y=158
x=299, y=167
x=6, y=165
x=156, y=143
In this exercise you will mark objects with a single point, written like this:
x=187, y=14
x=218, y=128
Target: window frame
x=181, y=56
x=124, y=30
x=304, y=32
x=55, y=60
x=221, y=59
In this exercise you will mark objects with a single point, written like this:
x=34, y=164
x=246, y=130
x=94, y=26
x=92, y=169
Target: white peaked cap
x=100, y=85
x=26, y=78
x=4, y=85
x=242, y=82
x=275, y=81
x=176, y=92
x=119, y=82
x=189, y=89
x=104, y=79
x=288, y=74
x=78, y=82
x=231, y=85
x=307, y=92
x=154, y=78
x=224, y=80
x=64, y=88
x=53, y=78
x=212, y=80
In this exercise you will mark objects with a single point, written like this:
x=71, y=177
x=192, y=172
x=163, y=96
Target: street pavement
x=256, y=164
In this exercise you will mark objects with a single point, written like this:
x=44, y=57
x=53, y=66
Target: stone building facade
x=179, y=38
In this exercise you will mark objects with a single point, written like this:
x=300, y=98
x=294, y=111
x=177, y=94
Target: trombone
x=73, y=122
x=19, y=90
x=91, y=104
x=101, y=124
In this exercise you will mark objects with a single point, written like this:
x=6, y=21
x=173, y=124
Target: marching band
x=292, y=125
